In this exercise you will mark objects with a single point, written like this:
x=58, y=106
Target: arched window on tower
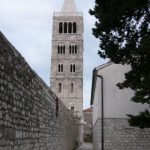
x=74, y=27
x=60, y=68
x=70, y=27
x=72, y=68
x=61, y=48
x=72, y=49
x=65, y=27
x=60, y=27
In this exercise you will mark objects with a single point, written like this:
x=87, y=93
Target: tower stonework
x=67, y=57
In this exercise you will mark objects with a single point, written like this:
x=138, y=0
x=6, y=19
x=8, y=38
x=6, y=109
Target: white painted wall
x=97, y=102
x=117, y=102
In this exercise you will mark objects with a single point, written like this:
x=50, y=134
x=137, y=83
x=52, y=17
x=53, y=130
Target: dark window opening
x=58, y=49
x=70, y=49
x=63, y=49
x=59, y=87
x=72, y=87
x=70, y=27
x=74, y=68
x=75, y=49
x=74, y=27
x=72, y=108
x=60, y=27
x=58, y=68
x=65, y=27
x=70, y=68
x=61, y=68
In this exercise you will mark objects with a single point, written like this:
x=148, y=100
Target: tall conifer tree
x=123, y=28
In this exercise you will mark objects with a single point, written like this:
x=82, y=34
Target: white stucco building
x=111, y=105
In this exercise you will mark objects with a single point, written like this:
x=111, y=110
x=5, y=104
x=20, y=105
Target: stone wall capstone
x=31, y=115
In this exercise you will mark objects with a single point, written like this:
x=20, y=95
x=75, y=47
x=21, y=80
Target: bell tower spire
x=69, y=6
x=67, y=57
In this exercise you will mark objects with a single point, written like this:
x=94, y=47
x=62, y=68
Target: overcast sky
x=28, y=26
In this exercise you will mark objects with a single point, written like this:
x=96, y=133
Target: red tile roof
x=88, y=110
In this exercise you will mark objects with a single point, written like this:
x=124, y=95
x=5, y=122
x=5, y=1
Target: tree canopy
x=123, y=28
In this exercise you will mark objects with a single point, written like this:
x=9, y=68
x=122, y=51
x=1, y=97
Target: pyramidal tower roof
x=69, y=6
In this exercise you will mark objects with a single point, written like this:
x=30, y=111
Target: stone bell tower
x=67, y=56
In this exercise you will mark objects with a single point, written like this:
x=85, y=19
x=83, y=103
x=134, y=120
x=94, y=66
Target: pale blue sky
x=28, y=26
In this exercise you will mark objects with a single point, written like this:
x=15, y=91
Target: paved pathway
x=86, y=146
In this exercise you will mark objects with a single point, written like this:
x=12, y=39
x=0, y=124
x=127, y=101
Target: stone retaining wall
x=118, y=135
x=31, y=115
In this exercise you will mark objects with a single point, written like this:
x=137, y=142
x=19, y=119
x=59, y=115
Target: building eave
x=104, y=65
x=94, y=78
